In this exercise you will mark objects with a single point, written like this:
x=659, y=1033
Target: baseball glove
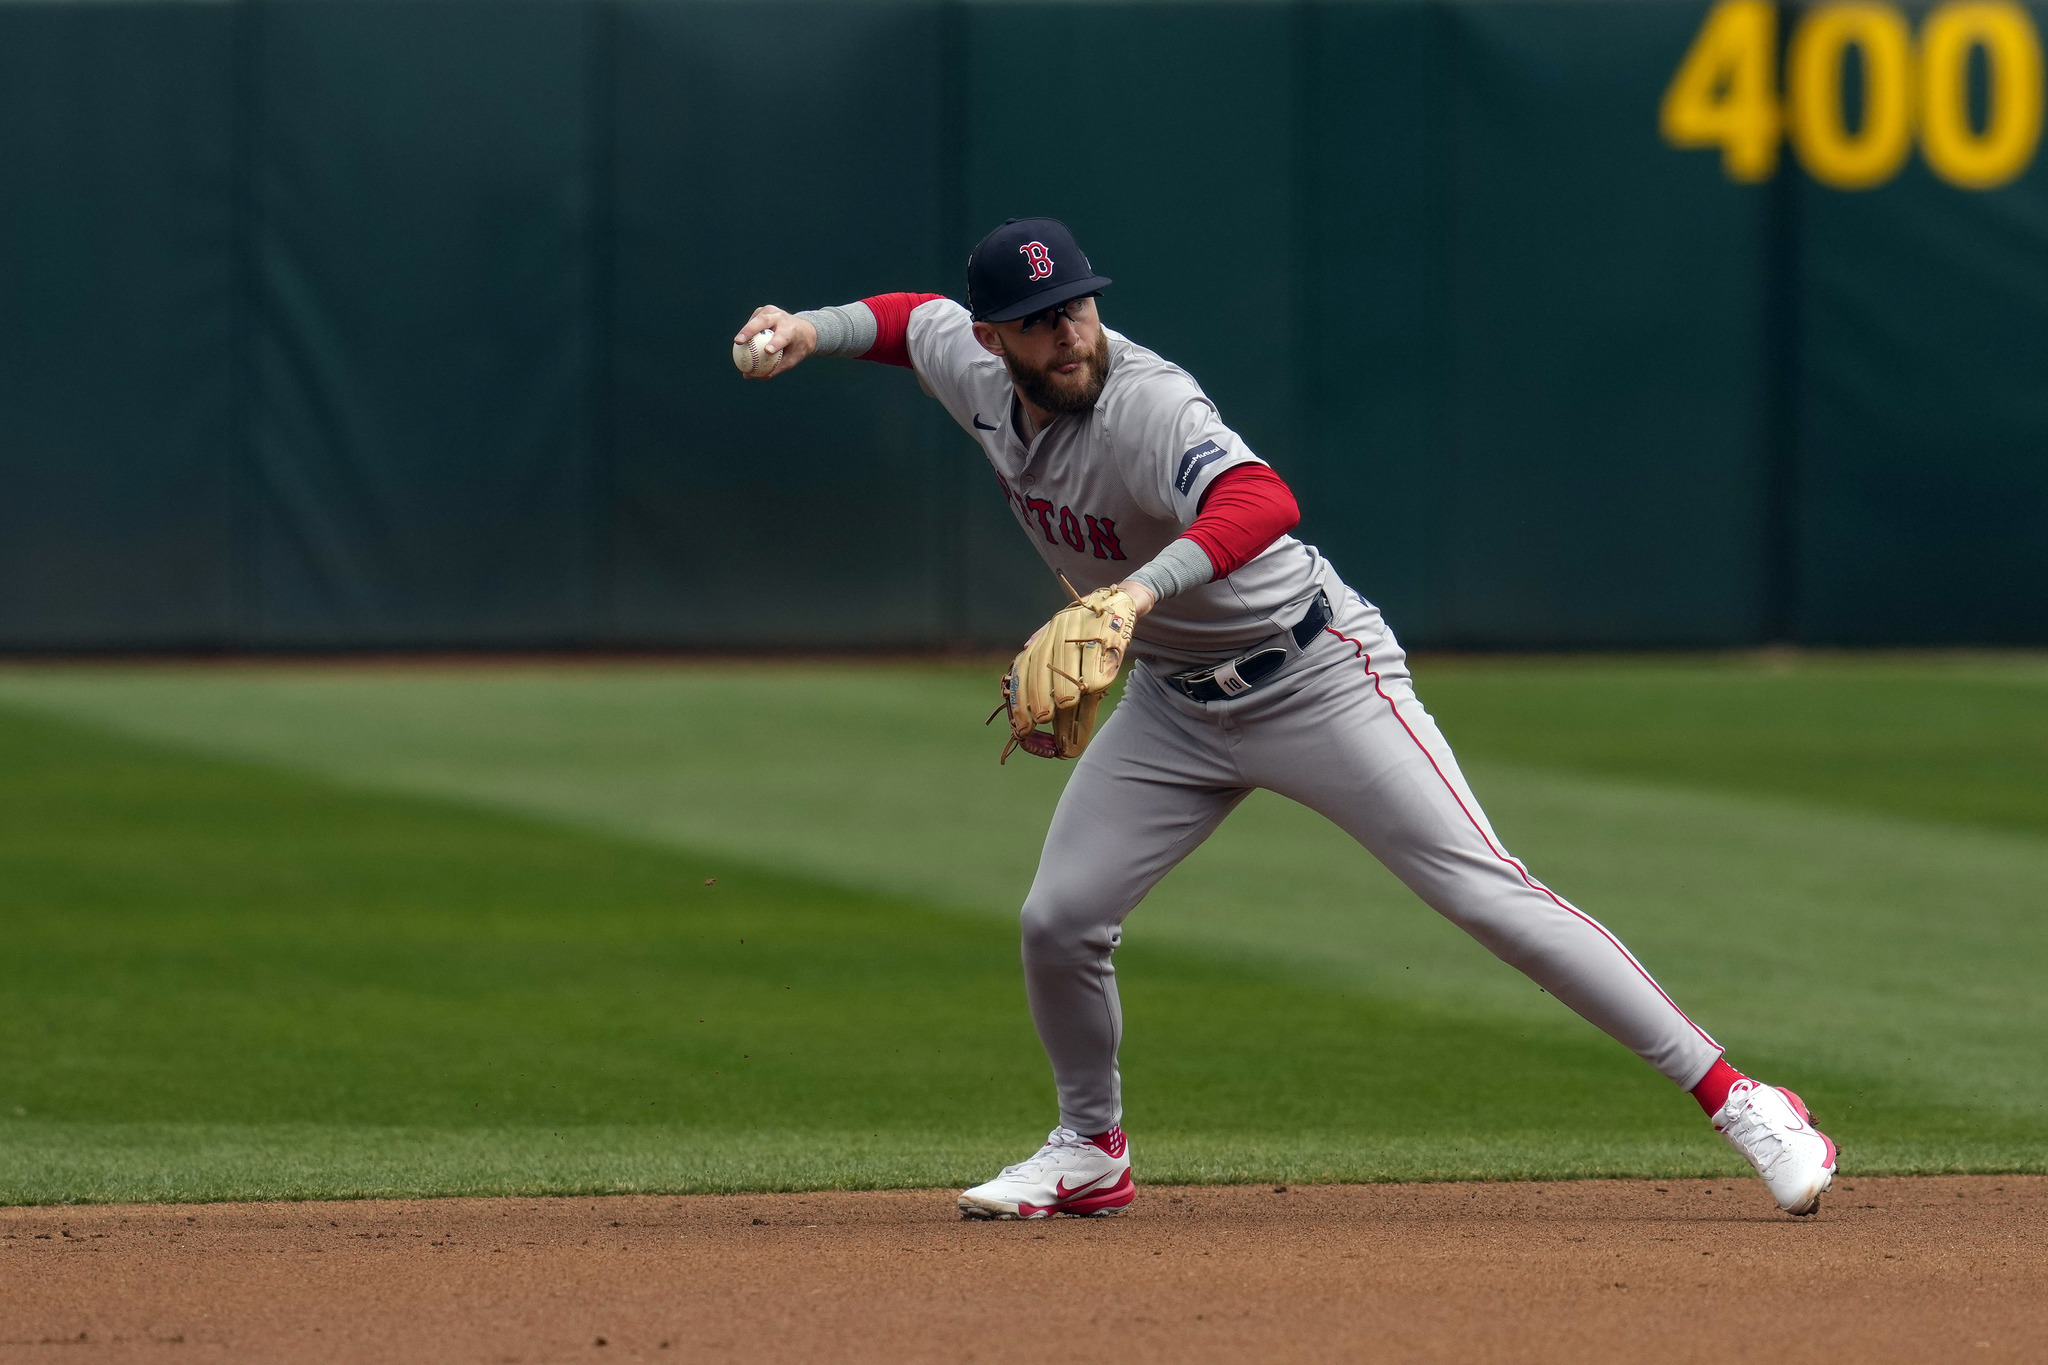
x=1061, y=673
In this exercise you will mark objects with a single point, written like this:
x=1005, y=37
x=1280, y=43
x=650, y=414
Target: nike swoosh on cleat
x=1062, y=1193
x=984, y=425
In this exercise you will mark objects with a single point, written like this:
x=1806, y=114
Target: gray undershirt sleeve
x=844, y=329
x=1178, y=567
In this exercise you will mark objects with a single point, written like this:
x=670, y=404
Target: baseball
x=754, y=359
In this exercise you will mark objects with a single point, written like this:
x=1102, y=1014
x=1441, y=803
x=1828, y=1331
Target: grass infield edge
x=74, y=1163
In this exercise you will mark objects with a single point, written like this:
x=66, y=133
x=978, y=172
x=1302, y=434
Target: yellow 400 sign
x=1726, y=92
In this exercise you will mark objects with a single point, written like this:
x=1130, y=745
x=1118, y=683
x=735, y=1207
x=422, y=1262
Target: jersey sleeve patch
x=1193, y=463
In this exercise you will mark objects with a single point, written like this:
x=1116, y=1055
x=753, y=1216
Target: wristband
x=1178, y=567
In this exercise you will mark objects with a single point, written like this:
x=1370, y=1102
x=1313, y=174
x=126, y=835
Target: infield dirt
x=1932, y=1269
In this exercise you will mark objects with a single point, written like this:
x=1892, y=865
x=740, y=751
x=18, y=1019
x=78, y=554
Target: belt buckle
x=1188, y=682
x=1225, y=676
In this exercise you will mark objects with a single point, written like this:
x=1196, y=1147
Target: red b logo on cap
x=1038, y=258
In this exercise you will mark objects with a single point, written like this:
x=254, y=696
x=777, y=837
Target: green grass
x=291, y=932
x=1961, y=739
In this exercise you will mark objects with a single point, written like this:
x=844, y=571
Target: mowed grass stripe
x=1952, y=737
x=1961, y=738
x=230, y=981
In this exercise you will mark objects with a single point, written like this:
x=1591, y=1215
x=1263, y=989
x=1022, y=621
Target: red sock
x=1111, y=1142
x=1712, y=1091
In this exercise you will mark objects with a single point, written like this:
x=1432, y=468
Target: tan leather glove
x=1058, y=678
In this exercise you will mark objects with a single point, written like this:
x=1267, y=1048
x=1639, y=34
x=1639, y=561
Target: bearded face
x=1058, y=393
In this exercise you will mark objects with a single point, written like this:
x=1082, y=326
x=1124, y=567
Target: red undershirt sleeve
x=1245, y=510
x=892, y=326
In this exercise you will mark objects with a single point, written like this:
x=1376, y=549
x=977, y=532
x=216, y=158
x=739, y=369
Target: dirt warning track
x=1939, y=1269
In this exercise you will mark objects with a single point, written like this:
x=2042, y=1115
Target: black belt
x=1235, y=677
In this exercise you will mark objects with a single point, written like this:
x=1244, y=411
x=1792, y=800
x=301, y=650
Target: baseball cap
x=1025, y=265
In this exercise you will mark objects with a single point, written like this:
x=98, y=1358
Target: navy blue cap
x=1026, y=265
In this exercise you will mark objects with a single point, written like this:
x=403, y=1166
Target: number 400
x=1725, y=93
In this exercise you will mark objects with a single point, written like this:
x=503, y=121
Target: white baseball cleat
x=1086, y=1177
x=1771, y=1128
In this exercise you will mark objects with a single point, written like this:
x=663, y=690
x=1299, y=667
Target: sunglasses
x=1051, y=314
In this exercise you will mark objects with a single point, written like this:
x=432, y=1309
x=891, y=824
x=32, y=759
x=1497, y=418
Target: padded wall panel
x=1373, y=331
x=1922, y=505
x=786, y=154
x=117, y=381
x=423, y=346
x=1604, y=470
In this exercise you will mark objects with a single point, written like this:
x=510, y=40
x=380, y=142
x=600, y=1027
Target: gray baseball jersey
x=1100, y=494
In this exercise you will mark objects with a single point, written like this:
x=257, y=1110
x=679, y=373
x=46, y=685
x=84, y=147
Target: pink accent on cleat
x=1799, y=1108
x=1080, y=1203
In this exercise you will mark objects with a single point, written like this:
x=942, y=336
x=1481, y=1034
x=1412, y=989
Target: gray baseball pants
x=1338, y=729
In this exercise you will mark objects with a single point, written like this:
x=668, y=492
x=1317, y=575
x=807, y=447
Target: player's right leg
x=1154, y=784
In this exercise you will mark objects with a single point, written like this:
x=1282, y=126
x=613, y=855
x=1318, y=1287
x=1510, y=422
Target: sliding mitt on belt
x=1061, y=673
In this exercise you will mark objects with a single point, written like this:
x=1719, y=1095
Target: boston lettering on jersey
x=1098, y=497
x=1062, y=524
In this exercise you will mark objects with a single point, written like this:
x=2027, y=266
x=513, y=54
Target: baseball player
x=1254, y=665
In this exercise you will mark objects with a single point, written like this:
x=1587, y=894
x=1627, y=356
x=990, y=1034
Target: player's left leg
x=1346, y=736
x=1350, y=740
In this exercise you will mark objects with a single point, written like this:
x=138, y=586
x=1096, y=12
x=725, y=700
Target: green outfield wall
x=373, y=324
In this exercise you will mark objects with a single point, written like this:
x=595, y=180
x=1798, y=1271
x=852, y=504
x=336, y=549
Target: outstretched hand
x=794, y=338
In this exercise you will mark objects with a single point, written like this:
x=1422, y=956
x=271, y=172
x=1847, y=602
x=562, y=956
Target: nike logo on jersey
x=985, y=426
x=1194, y=462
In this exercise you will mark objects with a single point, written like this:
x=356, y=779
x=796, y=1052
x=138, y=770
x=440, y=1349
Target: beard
x=1064, y=394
